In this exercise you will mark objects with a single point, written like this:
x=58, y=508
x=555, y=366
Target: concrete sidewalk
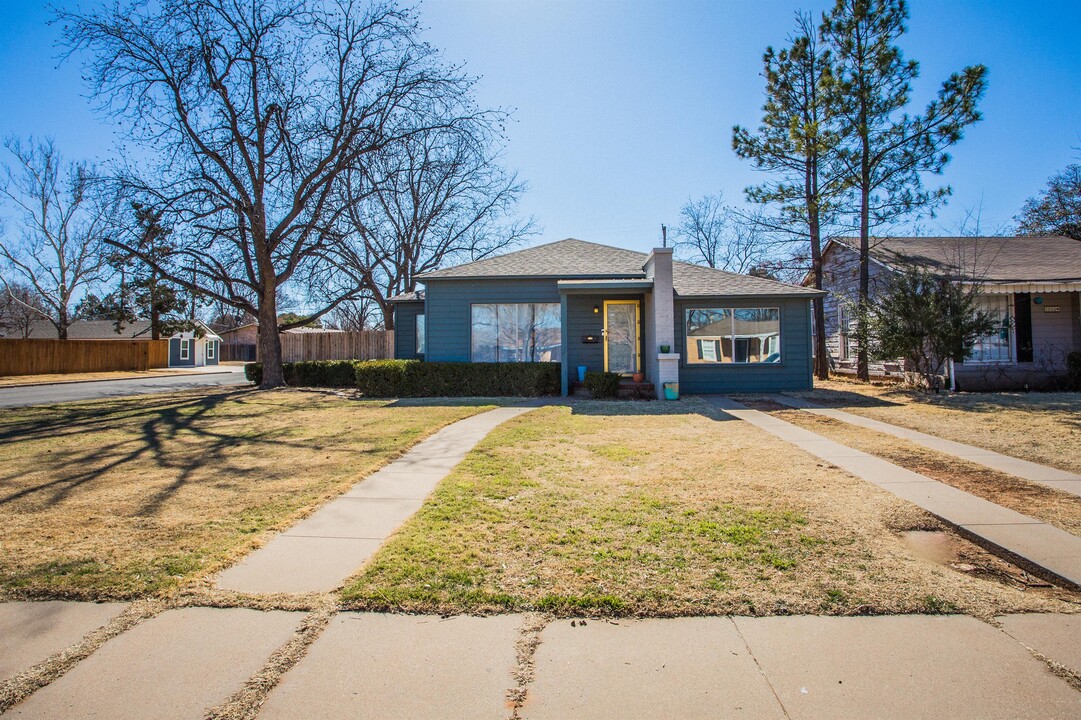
x=1033, y=472
x=367, y=665
x=320, y=552
x=1031, y=541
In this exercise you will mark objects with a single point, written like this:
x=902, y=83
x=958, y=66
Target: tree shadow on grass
x=147, y=427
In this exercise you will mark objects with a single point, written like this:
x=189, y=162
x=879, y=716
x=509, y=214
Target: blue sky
x=623, y=110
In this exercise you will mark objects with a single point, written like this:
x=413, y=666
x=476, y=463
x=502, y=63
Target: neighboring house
x=185, y=349
x=247, y=334
x=606, y=308
x=1031, y=284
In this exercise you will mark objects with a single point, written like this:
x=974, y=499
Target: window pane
x=547, y=335
x=516, y=332
x=995, y=347
x=484, y=333
x=757, y=333
x=733, y=335
x=420, y=334
x=709, y=335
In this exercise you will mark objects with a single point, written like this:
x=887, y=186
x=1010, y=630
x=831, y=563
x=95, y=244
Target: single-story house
x=1031, y=284
x=186, y=349
x=605, y=308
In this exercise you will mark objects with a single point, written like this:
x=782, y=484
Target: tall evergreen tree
x=155, y=297
x=798, y=143
x=887, y=150
x=1057, y=209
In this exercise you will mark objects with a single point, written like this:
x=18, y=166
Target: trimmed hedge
x=602, y=384
x=312, y=373
x=417, y=378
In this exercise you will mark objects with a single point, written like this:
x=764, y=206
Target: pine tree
x=887, y=151
x=798, y=143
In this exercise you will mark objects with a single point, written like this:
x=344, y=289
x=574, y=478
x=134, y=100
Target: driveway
x=69, y=392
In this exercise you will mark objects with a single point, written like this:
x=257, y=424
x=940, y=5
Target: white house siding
x=841, y=277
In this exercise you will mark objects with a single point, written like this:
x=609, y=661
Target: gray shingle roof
x=414, y=296
x=94, y=330
x=571, y=258
x=1051, y=258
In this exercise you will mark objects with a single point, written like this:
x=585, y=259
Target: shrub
x=320, y=373
x=416, y=378
x=380, y=378
x=602, y=384
x=1073, y=370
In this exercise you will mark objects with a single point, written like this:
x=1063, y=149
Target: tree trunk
x=270, y=345
x=821, y=360
x=63, y=323
x=863, y=370
x=388, y=315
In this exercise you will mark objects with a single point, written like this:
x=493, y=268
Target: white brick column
x=660, y=321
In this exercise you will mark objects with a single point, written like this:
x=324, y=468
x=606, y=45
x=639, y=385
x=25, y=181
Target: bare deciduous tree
x=62, y=218
x=256, y=109
x=714, y=234
x=439, y=196
x=21, y=309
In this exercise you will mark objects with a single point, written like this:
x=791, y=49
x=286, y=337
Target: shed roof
x=578, y=259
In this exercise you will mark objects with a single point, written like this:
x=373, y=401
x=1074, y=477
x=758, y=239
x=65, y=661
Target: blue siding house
x=602, y=308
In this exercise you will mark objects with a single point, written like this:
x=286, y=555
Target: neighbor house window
x=184, y=349
x=520, y=332
x=733, y=335
x=210, y=350
x=995, y=347
x=420, y=334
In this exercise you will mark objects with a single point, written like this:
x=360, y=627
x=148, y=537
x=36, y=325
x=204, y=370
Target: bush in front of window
x=602, y=385
x=451, y=379
x=416, y=378
x=1073, y=371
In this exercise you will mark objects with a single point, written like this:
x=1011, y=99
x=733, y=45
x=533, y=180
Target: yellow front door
x=622, y=353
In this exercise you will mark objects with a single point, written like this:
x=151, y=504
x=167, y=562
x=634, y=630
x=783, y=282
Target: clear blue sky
x=623, y=110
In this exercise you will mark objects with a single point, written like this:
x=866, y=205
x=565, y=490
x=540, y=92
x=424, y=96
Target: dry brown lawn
x=128, y=497
x=1040, y=427
x=1054, y=507
x=665, y=509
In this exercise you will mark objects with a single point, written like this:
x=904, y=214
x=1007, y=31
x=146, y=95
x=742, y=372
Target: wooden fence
x=364, y=345
x=41, y=357
x=237, y=352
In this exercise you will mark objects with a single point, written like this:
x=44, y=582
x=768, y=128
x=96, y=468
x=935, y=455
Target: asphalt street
x=12, y=397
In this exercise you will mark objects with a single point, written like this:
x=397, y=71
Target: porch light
x=596, y=309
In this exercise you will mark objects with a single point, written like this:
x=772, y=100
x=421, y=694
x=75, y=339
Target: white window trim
x=185, y=349
x=1011, y=344
x=209, y=349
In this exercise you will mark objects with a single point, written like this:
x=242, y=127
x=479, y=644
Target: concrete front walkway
x=320, y=552
x=1033, y=472
x=184, y=662
x=1033, y=542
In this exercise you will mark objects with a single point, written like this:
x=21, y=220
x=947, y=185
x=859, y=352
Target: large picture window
x=520, y=332
x=733, y=335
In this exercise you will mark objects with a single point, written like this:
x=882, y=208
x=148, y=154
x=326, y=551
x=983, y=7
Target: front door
x=621, y=325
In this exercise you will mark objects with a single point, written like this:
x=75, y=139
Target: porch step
x=628, y=390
